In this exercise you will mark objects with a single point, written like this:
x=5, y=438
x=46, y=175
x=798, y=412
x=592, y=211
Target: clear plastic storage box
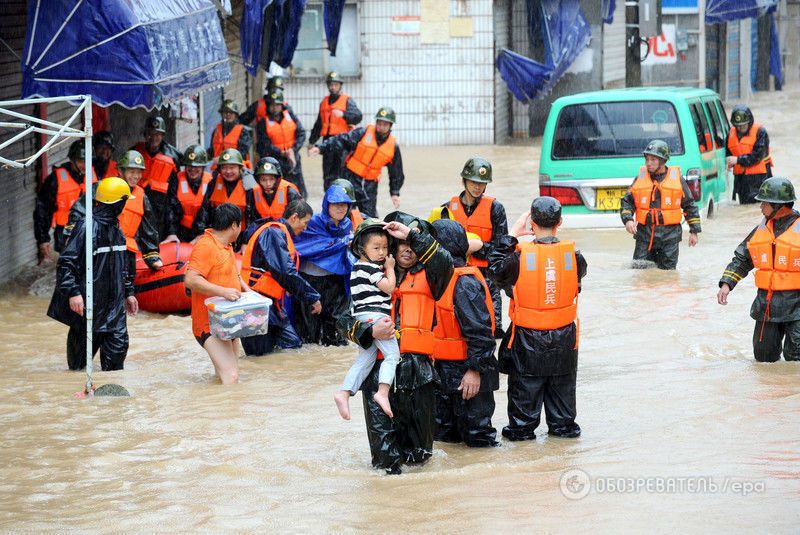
x=247, y=316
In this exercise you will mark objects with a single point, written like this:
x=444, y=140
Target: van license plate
x=608, y=198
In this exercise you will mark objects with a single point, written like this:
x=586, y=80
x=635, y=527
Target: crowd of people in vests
x=420, y=297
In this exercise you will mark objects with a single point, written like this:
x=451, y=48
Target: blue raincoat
x=324, y=243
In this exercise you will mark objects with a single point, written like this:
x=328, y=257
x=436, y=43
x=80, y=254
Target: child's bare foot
x=381, y=397
x=342, y=399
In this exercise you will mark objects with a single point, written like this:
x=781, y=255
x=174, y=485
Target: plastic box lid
x=248, y=300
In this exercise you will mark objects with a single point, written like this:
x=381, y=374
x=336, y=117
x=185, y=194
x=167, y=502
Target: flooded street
x=667, y=389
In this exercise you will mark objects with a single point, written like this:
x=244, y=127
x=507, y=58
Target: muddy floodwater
x=682, y=430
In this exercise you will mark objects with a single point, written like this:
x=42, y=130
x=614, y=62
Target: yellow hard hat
x=111, y=190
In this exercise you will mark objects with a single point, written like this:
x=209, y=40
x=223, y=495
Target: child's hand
x=388, y=264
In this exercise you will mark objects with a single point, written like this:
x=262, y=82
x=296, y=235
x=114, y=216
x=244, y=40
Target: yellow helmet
x=111, y=190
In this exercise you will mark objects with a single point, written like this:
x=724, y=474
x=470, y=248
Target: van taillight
x=693, y=180
x=566, y=196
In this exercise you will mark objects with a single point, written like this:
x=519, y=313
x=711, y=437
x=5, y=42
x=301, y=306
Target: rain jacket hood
x=451, y=235
x=325, y=243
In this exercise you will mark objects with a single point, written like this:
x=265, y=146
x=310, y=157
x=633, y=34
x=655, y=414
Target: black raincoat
x=541, y=364
x=660, y=245
x=271, y=253
x=459, y=420
x=264, y=148
x=408, y=437
x=366, y=190
x=784, y=306
x=113, y=283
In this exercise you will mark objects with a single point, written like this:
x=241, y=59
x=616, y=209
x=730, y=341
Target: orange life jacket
x=480, y=222
x=262, y=281
x=238, y=196
x=190, y=200
x=546, y=292
x=157, y=170
x=777, y=259
x=131, y=218
x=230, y=141
x=111, y=170
x=67, y=192
x=282, y=134
x=644, y=189
x=369, y=158
x=332, y=125
x=279, y=201
x=417, y=308
x=355, y=217
x=745, y=146
x=261, y=110
x=450, y=342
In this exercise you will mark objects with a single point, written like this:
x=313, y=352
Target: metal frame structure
x=29, y=124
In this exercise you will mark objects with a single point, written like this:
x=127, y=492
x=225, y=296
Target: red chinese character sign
x=662, y=47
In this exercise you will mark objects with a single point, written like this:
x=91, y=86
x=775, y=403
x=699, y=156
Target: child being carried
x=372, y=283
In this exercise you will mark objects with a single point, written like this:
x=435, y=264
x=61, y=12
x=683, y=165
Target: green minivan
x=593, y=142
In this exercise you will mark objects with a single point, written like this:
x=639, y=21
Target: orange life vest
x=480, y=222
x=546, y=292
x=644, y=189
x=369, y=158
x=131, y=218
x=157, y=170
x=67, y=192
x=111, y=170
x=332, y=125
x=745, y=146
x=190, y=200
x=355, y=217
x=237, y=196
x=777, y=259
x=282, y=134
x=279, y=201
x=262, y=281
x=261, y=110
x=450, y=342
x=416, y=310
x=231, y=141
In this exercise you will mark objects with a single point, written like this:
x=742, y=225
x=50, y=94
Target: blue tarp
x=607, y=8
x=269, y=32
x=565, y=33
x=332, y=15
x=129, y=52
x=729, y=10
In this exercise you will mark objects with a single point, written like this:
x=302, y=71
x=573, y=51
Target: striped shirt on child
x=366, y=295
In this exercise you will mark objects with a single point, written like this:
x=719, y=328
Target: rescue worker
x=540, y=350
x=281, y=136
x=55, y=197
x=112, y=290
x=272, y=194
x=423, y=270
x=229, y=184
x=161, y=161
x=354, y=214
x=654, y=206
x=230, y=134
x=326, y=263
x=369, y=150
x=775, y=252
x=463, y=353
x=269, y=266
x=190, y=190
x=338, y=114
x=258, y=109
x=482, y=215
x=102, y=150
x=748, y=154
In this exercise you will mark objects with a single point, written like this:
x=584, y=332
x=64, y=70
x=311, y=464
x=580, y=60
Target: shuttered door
x=614, y=49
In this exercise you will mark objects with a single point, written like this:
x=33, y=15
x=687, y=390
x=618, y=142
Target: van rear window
x=615, y=129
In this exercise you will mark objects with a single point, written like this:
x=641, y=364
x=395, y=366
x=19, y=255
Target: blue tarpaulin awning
x=565, y=33
x=730, y=10
x=269, y=32
x=136, y=53
x=332, y=15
